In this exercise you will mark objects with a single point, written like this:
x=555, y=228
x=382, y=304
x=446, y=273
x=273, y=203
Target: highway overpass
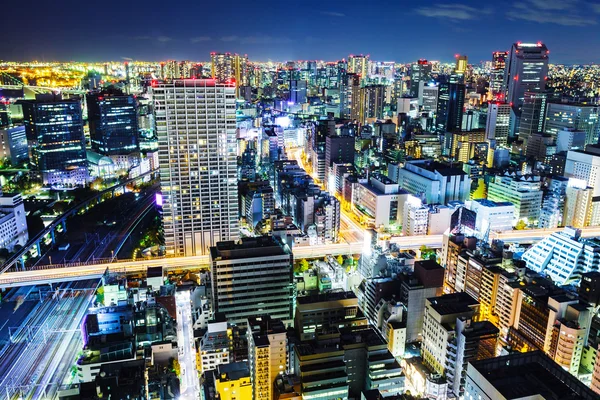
x=57, y=273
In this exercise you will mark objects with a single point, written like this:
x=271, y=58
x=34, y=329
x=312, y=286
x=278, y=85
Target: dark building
x=589, y=288
x=338, y=149
x=523, y=375
x=113, y=121
x=451, y=100
x=54, y=129
x=419, y=72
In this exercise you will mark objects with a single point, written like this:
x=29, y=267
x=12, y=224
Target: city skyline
x=431, y=29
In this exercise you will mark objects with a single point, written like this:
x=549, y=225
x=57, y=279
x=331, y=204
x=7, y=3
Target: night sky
x=392, y=30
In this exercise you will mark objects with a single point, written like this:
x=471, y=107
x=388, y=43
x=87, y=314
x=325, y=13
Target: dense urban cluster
x=353, y=229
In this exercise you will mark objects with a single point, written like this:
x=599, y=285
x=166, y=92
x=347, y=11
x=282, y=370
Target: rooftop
x=454, y=303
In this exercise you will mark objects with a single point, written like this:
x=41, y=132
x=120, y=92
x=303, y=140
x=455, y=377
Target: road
x=190, y=383
x=59, y=273
x=43, y=348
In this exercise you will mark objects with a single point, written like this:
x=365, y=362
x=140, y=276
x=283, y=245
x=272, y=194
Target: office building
x=230, y=69
x=372, y=100
x=493, y=216
x=533, y=115
x=461, y=64
x=522, y=375
x=267, y=354
x=321, y=313
x=580, y=207
x=232, y=381
x=338, y=150
x=297, y=92
x=113, y=122
x=498, y=123
x=415, y=217
x=584, y=165
x=451, y=100
x=196, y=129
x=378, y=201
x=251, y=278
x=428, y=96
x=497, y=74
x=564, y=256
x=551, y=215
x=13, y=223
x=434, y=182
x=522, y=191
x=452, y=337
x=583, y=117
x=465, y=146
x=419, y=72
x=540, y=147
x=13, y=145
x=570, y=139
x=526, y=71
x=359, y=65
x=54, y=131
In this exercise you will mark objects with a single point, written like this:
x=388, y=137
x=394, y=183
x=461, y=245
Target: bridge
x=17, y=260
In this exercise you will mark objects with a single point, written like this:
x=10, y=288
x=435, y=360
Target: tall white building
x=498, y=123
x=196, y=128
x=584, y=165
x=492, y=216
x=564, y=256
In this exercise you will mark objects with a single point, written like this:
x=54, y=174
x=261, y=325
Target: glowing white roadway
x=60, y=274
x=186, y=350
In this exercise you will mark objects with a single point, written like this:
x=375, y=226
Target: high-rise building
x=580, y=207
x=113, y=122
x=13, y=145
x=372, y=100
x=267, y=354
x=498, y=123
x=532, y=115
x=428, y=96
x=196, y=126
x=54, y=131
x=526, y=71
x=584, y=117
x=358, y=65
x=585, y=165
x=461, y=64
x=338, y=150
x=251, y=278
x=451, y=101
x=419, y=72
x=497, y=74
x=452, y=337
x=230, y=68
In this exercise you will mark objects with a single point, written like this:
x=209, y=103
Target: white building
x=585, y=165
x=378, y=201
x=415, y=218
x=434, y=182
x=492, y=216
x=13, y=222
x=524, y=192
x=564, y=256
x=196, y=128
x=215, y=345
x=498, y=123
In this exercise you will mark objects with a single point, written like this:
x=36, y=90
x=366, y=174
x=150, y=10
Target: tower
x=195, y=123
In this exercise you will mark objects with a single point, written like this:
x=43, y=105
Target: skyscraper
x=419, y=72
x=228, y=68
x=358, y=65
x=195, y=123
x=498, y=123
x=372, y=100
x=497, y=74
x=54, y=130
x=532, y=115
x=451, y=100
x=526, y=71
x=585, y=117
x=113, y=122
x=461, y=64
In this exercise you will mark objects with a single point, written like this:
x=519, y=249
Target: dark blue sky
x=388, y=30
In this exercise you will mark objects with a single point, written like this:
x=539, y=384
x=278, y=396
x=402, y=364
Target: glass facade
x=113, y=124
